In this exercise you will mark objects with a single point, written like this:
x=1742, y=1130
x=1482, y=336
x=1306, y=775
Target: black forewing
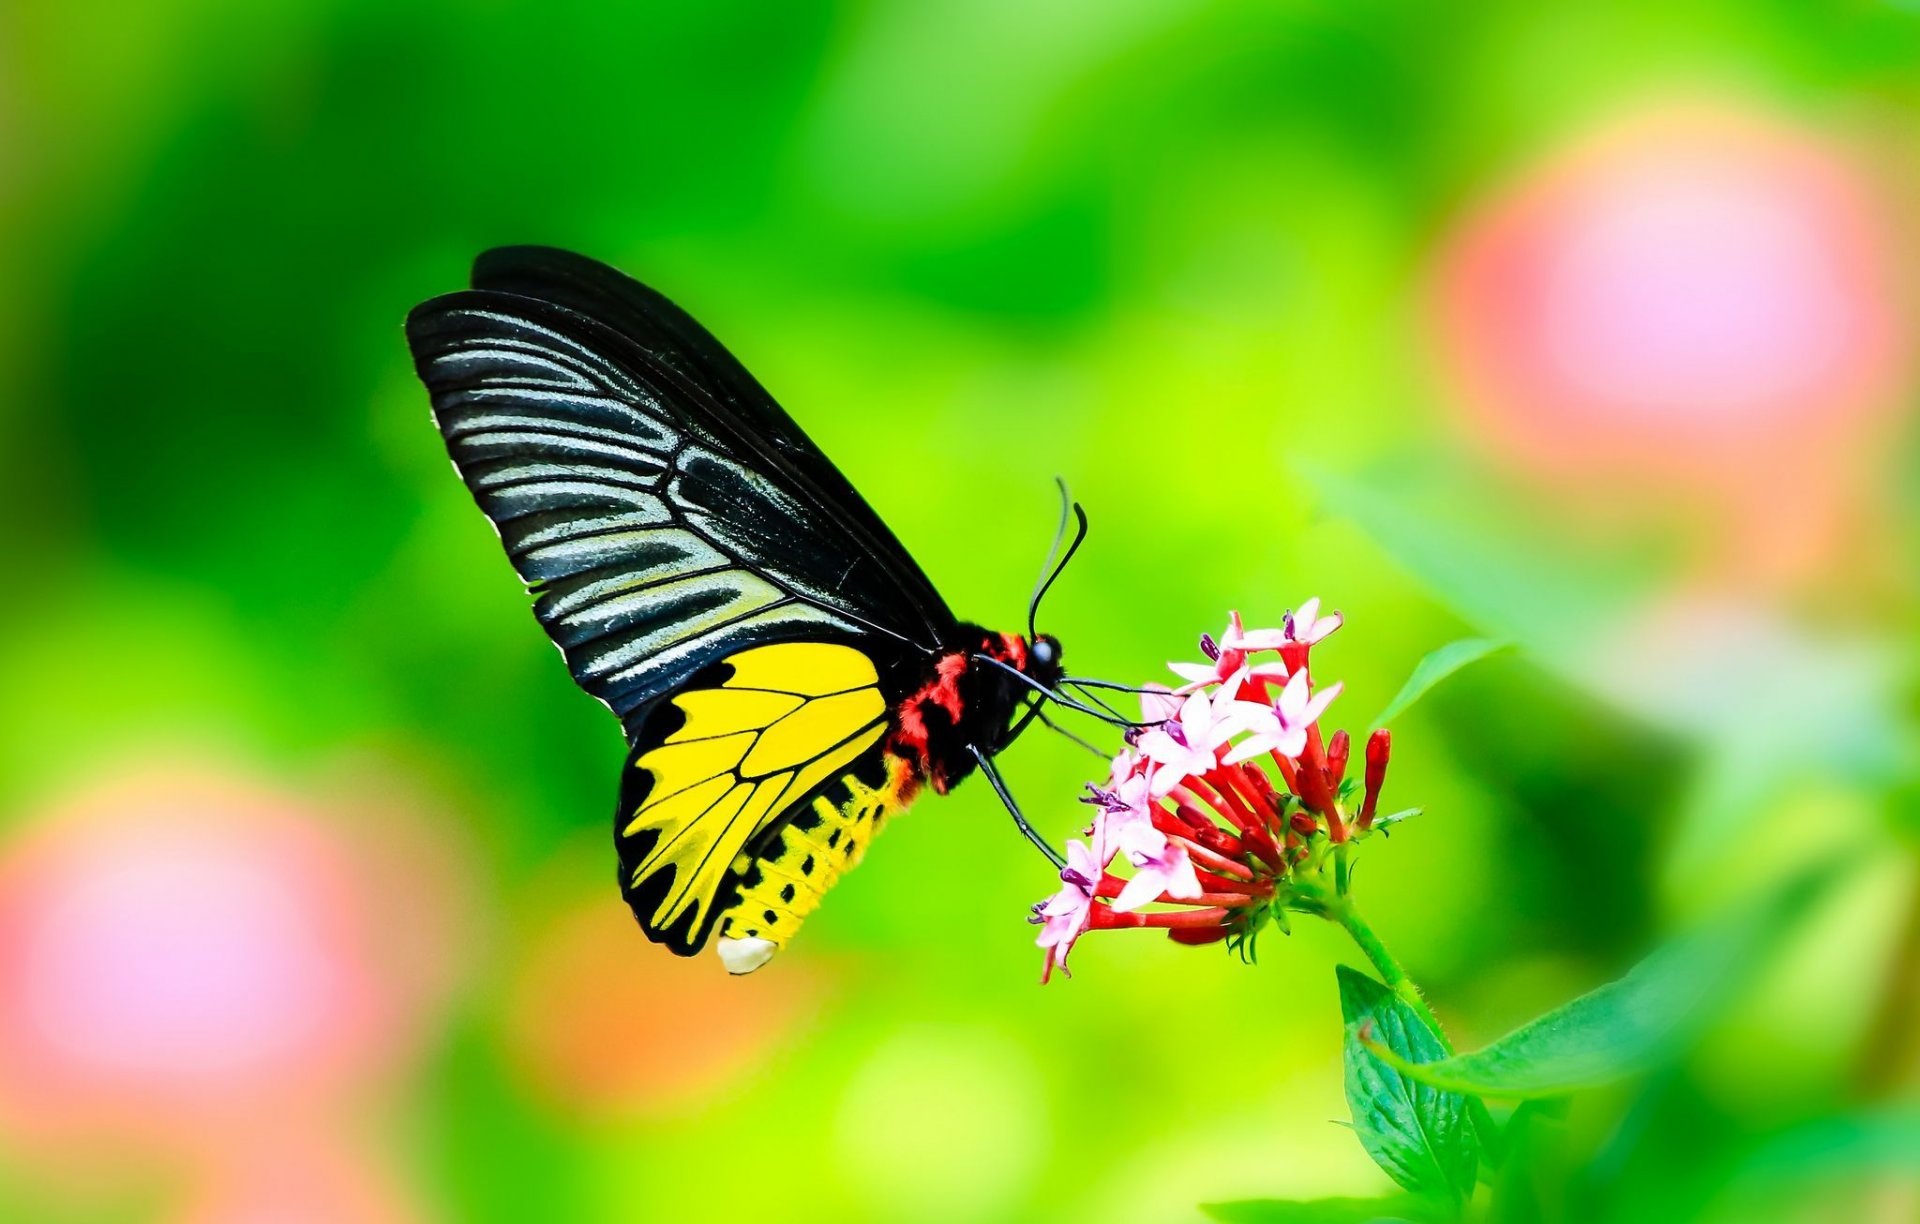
x=722, y=389
x=660, y=519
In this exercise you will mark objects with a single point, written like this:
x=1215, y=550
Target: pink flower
x=1064, y=917
x=1257, y=639
x=1160, y=865
x=1160, y=703
x=1228, y=655
x=1285, y=731
x=1195, y=675
x=1186, y=745
x=1308, y=627
x=1204, y=842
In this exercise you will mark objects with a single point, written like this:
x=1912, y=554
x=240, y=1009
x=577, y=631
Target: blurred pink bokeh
x=217, y=974
x=1698, y=305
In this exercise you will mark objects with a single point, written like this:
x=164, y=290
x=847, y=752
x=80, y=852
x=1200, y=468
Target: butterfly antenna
x=1013, y=809
x=1053, y=549
x=1053, y=571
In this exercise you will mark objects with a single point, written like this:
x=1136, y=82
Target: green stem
x=1390, y=971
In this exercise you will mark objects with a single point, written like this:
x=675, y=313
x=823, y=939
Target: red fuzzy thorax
x=957, y=704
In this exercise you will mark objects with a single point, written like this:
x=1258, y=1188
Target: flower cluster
x=1226, y=805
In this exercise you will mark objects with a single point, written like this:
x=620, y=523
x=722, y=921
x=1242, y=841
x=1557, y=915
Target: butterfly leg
x=1006, y=797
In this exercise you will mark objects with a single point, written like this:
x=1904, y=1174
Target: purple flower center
x=1175, y=732
x=1070, y=876
x=1209, y=647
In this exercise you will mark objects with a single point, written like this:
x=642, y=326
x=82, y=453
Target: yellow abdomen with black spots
x=805, y=858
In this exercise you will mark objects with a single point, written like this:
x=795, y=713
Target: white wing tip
x=746, y=955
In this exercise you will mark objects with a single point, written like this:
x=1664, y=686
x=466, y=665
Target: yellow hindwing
x=787, y=718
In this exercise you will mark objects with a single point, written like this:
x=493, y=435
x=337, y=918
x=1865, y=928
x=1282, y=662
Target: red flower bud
x=1197, y=935
x=1379, y=748
x=1218, y=840
x=1262, y=785
x=1337, y=749
x=1315, y=791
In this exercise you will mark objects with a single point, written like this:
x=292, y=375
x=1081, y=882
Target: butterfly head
x=1000, y=693
x=1043, y=659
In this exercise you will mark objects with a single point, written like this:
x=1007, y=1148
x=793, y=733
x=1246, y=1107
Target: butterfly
x=787, y=677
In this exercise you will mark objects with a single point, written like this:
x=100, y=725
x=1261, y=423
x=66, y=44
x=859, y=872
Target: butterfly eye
x=1046, y=652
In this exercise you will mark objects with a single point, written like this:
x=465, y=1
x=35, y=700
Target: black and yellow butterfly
x=787, y=676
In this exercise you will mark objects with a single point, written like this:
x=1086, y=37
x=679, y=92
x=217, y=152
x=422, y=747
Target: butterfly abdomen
x=806, y=857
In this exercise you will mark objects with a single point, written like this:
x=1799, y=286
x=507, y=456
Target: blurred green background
x=1582, y=326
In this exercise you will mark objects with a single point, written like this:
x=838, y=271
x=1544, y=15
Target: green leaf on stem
x=1388, y=821
x=1420, y=1135
x=1435, y=667
x=1626, y=1026
x=1404, y=1207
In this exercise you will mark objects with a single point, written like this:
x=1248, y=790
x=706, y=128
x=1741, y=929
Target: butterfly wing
x=718, y=769
x=703, y=568
x=657, y=526
x=704, y=366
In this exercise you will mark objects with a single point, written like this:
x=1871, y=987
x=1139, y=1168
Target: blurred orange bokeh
x=604, y=1023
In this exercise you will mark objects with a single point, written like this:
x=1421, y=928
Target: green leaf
x=1625, y=1026
x=1435, y=667
x=1323, y=1211
x=1394, y=818
x=1419, y=1134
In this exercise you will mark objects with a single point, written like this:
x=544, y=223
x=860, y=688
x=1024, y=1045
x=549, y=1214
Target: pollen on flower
x=1227, y=807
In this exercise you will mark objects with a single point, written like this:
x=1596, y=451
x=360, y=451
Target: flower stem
x=1390, y=971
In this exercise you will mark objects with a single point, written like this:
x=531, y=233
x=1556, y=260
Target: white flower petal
x=1303, y=619
x=1324, y=626
x=1321, y=700
x=1139, y=891
x=1181, y=882
x=1251, y=747
x=1293, y=700
x=1159, y=704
